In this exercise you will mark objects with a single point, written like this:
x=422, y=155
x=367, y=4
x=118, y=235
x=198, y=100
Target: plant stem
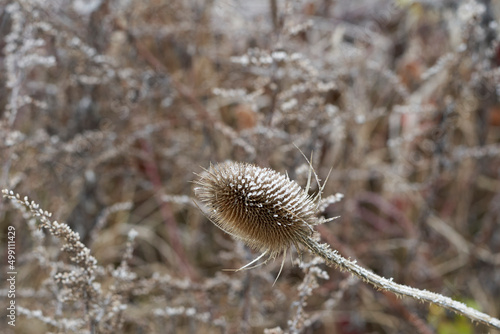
x=332, y=257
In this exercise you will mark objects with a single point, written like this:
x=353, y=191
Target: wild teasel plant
x=270, y=213
x=260, y=206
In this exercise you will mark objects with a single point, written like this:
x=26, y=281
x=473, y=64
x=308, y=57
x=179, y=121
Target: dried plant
x=263, y=208
x=107, y=108
x=270, y=213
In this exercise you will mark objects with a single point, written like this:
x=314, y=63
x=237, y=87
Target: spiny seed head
x=260, y=206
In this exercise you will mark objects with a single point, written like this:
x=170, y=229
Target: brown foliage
x=109, y=107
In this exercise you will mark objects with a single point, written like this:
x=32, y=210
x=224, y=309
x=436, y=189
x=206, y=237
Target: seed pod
x=263, y=208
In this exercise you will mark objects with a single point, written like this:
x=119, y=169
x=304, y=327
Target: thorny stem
x=332, y=257
x=166, y=213
x=415, y=320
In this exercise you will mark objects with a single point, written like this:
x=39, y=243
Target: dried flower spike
x=270, y=213
x=261, y=207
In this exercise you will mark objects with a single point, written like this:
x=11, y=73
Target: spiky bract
x=260, y=206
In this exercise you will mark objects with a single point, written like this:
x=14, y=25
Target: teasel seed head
x=263, y=208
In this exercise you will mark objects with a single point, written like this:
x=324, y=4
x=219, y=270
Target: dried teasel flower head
x=263, y=208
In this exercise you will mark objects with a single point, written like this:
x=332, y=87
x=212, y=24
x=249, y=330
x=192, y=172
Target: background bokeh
x=109, y=108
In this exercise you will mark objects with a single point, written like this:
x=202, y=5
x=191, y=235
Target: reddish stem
x=153, y=174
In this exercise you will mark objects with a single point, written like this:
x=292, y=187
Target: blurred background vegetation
x=109, y=107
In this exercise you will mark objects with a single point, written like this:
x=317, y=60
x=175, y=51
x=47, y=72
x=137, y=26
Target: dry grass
x=109, y=109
